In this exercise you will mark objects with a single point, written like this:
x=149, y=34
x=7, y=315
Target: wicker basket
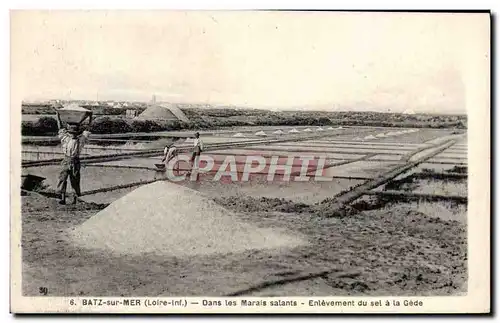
x=73, y=114
x=160, y=167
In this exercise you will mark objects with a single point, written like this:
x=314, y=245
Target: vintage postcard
x=250, y=162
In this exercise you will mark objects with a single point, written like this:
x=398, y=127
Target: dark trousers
x=195, y=153
x=70, y=167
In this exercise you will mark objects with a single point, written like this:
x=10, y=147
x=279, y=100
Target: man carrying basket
x=73, y=139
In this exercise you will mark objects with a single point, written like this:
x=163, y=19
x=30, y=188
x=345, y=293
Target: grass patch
x=458, y=169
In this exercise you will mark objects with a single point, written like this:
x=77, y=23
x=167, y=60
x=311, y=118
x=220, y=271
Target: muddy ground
x=375, y=249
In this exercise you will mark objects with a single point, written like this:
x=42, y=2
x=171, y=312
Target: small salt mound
x=260, y=133
x=307, y=130
x=169, y=219
x=358, y=138
x=380, y=135
x=340, y=127
x=319, y=129
x=293, y=131
x=369, y=137
x=239, y=134
x=331, y=128
x=278, y=132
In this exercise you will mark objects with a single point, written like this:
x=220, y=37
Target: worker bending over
x=169, y=153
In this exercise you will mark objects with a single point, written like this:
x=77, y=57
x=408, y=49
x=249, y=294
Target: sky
x=315, y=60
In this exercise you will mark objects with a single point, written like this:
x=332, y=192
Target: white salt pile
x=239, y=134
x=331, y=128
x=319, y=129
x=380, y=135
x=369, y=137
x=340, y=127
x=358, y=138
x=293, y=131
x=278, y=132
x=307, y=130
x=260, y=133
x=169, y=219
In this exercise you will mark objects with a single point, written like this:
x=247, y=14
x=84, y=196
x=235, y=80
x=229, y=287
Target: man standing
x=197, y=149
x=73, y=139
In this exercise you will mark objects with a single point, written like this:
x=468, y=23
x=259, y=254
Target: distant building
x=131, y=113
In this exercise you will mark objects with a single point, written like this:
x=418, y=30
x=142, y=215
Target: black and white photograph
x=250, y=161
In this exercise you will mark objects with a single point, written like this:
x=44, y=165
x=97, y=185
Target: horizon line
x=269, y=108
